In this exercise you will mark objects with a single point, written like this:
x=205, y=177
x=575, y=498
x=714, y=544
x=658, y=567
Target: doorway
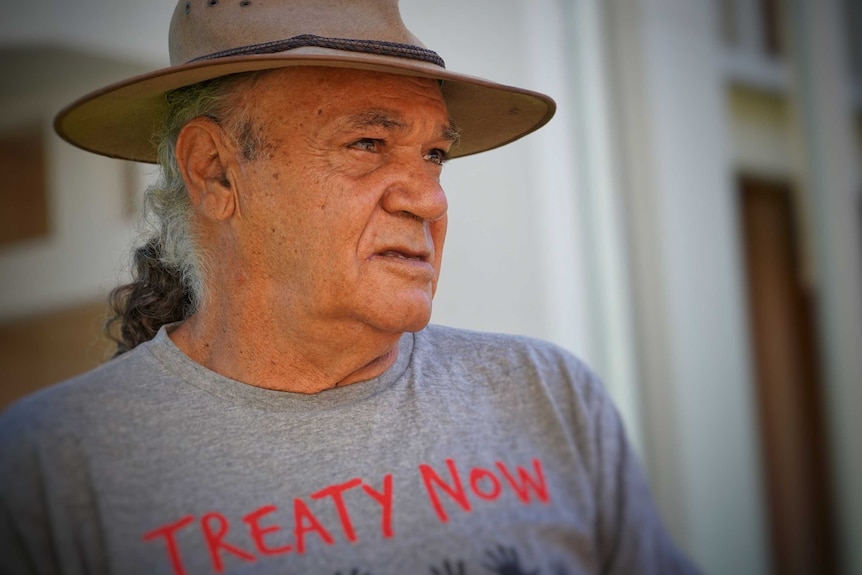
x=788, y=381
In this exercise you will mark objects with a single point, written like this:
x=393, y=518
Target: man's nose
x=414, y=188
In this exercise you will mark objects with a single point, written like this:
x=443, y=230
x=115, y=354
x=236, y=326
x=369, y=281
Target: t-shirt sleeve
x=48, y=516
x=630, y=535
x=24, y=526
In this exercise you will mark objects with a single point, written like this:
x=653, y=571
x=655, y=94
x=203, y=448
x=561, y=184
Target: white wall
x=117, y=28
x=687, y=274
x=90, y=230
x=81, y=259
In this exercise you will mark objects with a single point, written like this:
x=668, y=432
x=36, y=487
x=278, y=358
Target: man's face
x=342, y=216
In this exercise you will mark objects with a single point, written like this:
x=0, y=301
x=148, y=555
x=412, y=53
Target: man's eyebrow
x=451, y=133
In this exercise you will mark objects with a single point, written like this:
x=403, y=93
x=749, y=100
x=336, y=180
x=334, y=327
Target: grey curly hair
x=169, y=270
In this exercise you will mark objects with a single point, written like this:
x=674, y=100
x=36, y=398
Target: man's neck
x=257, y=353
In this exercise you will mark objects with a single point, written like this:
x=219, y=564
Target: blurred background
x=690, y=224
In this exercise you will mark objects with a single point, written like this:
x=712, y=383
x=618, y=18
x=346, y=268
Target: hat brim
x=119, y=121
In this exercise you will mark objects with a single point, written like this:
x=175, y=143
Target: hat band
x=365, y=46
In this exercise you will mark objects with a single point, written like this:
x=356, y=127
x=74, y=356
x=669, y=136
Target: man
x=278, y=404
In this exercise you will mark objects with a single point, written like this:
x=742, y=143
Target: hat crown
x=200, y=28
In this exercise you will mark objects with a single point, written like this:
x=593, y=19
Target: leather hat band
x=378, y=47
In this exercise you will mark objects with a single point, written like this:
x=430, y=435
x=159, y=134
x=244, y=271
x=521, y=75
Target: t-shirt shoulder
x=504, y=355
x=443, y=337
x=74, y=398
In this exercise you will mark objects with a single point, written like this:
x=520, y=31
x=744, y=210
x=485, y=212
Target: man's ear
x=206, y=158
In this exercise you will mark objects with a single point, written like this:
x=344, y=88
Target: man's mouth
x=402, y=255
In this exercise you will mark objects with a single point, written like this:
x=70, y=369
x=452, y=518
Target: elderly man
x=278, y=404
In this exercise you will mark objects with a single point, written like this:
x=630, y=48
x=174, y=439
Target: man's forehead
x=390, y=120
x=346, y=100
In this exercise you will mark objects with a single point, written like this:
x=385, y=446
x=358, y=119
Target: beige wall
x=50, y=347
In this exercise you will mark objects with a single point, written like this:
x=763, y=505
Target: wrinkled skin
x=328, y=242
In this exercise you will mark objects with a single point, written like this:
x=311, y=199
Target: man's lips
x=403, y=255
x=411, y=263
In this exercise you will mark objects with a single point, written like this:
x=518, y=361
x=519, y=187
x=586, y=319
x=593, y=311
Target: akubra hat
x=213, y=38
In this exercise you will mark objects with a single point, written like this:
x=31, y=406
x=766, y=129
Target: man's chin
x=412, y=325
x=400, y=319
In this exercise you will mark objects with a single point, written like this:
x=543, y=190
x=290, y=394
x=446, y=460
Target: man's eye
x=367, y=145
x=437, y=156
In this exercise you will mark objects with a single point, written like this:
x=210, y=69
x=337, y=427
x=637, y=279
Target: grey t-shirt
x=473, y=454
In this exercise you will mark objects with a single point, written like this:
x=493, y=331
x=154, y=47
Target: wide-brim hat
x=214, y=38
